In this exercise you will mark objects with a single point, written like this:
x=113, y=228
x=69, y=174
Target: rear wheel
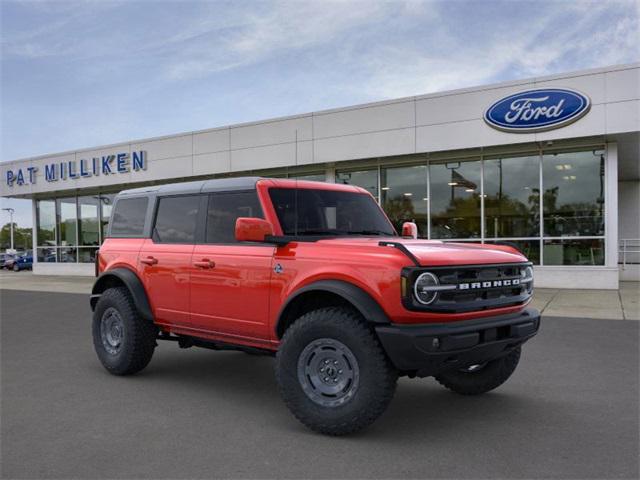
x=124, y=341
x=481, y=378
x=16, y=268
x=332, y=373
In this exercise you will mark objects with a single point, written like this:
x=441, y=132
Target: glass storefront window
x=573, y=198
x=574, y=252
x=46, y=222
x=404, y=196
x=47, y=254
x=455, y=199
x=88, y=223
x=572, y=184
x=512, y=197
x=367, y=179
x=67, y=221
x=87, y=254
x=67, y=254
x=314, y=177
x=530, y=248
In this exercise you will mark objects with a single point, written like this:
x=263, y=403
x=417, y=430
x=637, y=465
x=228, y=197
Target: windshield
x=328, y=212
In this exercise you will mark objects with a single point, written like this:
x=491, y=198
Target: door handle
x=205, y=263
x=149, y=260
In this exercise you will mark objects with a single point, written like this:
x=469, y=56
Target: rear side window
x=128, y=217
x=224, y=209
x=176, y=219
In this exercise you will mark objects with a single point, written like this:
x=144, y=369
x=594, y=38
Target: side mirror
x=409, y=230
x=252, y=229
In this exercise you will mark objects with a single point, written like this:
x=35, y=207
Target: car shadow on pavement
x=421, y=407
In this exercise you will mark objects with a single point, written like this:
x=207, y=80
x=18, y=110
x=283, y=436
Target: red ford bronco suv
x=315, y=274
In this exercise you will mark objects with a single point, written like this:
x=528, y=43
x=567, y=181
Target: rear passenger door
x=165, y=258
x=230, y=279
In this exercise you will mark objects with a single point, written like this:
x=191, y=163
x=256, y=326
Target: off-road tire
x=138, y=337
x=376, y=381
x=487, y=378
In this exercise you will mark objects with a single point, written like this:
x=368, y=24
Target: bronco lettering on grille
x=511, y=282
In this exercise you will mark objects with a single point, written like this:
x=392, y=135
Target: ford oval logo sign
x=537, y=110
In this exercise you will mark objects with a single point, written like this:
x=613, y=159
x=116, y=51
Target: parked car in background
x=23, y=262
x=7, y=259
x=3, y=258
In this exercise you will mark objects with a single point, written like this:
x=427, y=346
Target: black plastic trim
x=411, y=273
x=132, y=282
x=361, y=300
x=400, y=246
x=426, y=350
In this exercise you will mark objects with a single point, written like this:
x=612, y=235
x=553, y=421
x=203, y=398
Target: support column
x=34, y=232
x=611, y=205
x=330, y=173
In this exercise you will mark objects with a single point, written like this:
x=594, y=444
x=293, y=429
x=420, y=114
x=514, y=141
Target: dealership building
x=550, y=164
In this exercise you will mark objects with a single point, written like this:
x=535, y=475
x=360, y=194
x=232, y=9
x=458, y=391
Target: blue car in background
x=23, y=262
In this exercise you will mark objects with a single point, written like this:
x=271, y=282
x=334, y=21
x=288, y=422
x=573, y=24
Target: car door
x=230, y=279
x=165, y=258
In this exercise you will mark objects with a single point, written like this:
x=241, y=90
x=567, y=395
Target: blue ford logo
x=537, y=110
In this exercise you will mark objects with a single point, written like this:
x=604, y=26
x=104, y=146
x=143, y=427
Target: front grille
x=472, y=287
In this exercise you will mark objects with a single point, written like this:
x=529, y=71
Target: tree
x=22, y=237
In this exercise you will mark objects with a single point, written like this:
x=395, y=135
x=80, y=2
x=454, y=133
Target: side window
x=176, y=219
x=128, y=218
x=224, y=209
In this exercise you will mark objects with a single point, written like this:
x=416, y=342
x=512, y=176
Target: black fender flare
x=133, y=284
x=356, y=296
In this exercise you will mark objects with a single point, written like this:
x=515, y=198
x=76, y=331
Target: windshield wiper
x=322, y=232
x=345, y=232
x=371, y=232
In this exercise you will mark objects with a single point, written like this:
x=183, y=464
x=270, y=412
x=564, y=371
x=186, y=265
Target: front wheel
x=332, y=372
x=482, y=378
x=16, y=268
x=124, y=342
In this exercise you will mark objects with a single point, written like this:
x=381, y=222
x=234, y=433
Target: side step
x=185, y=341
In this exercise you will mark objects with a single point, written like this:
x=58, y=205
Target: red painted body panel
x=231, y=293
x=232, y=297
x=120, y=253
x=168, y=281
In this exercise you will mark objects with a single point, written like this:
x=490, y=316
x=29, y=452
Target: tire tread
x=142, y=333
x=340, y=318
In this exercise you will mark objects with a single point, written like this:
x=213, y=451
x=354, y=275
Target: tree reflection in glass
x=573, y=199
x=404, y=196
x=512, y=197
x=455, y=200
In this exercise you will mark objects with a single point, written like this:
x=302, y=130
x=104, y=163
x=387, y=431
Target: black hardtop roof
x=201, y=186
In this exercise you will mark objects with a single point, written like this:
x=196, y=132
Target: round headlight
x=423, y=288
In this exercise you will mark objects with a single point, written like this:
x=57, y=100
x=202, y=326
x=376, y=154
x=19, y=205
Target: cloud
x=558, y=39
x=100, y=72
x=52, y=29
x=287, y=26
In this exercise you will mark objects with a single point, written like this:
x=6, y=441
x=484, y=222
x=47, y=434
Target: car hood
x=436, y=253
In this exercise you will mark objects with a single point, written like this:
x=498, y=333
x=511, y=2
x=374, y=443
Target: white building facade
x=549, y=164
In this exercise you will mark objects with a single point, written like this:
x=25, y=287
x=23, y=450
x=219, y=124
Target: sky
x=86, y=73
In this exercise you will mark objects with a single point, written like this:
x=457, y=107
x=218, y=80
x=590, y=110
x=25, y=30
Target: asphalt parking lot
x=569, y=411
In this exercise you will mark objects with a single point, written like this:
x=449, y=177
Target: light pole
x=11, y=211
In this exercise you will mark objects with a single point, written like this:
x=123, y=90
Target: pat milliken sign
x=537, y=110
x=117, y=163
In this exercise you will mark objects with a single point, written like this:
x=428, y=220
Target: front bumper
x=425, y=350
